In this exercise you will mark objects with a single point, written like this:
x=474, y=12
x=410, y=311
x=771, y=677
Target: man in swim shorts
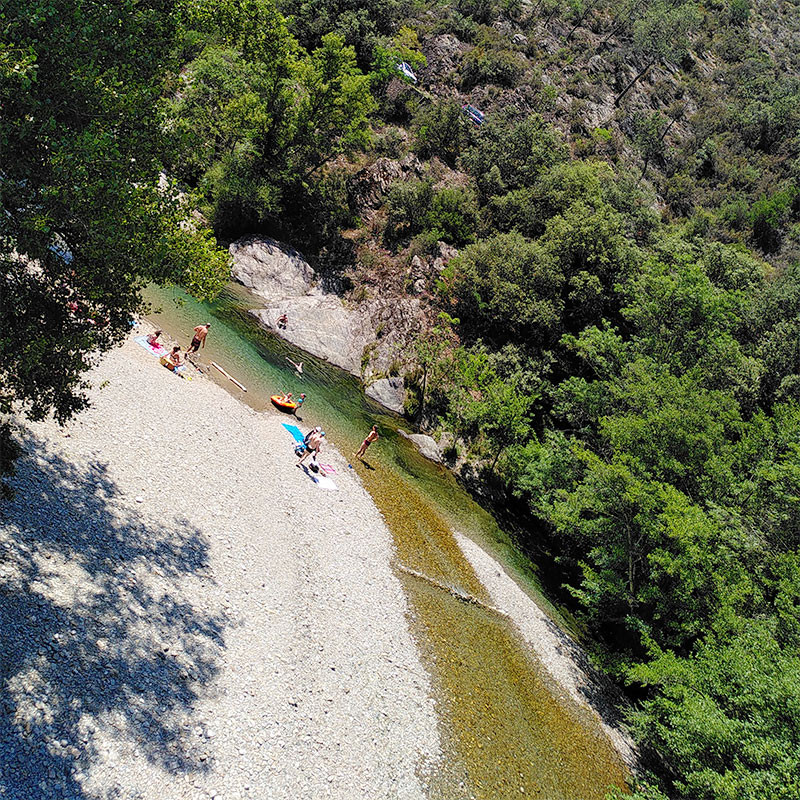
x=313, y=443
x=200, y=333
x=372, y=436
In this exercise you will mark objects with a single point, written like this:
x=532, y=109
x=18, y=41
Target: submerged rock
x=389, y=392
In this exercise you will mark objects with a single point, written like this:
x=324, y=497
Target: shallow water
x=507, y=729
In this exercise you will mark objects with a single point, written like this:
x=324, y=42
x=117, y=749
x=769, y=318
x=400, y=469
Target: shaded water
x=506, y=730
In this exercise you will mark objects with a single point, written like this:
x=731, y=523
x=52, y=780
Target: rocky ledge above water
x=364, y=340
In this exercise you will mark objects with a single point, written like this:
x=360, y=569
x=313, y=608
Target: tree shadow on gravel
x=98, y=643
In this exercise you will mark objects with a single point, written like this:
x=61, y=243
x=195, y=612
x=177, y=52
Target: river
x=506, y=729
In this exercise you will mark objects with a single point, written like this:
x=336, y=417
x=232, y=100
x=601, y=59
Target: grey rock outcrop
x=318, y=321
x=368, y=186
x=389, y=392
x=319, y=324
x=425, y=444
x=270, y=269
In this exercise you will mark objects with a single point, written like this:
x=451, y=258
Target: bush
x=441, y=130
x=768, y=216
x=506, y=289
x=463, y=28
x=484, y=65
x=511, y=155
x=416, y=208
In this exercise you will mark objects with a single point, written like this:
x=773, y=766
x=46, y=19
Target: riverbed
x=508, y=728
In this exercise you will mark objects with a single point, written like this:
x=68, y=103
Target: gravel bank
x=185, y=614
x=560, y=655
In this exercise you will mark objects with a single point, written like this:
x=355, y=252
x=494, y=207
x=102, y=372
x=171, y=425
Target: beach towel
x=297, y=434
x=324, y=482
x=158, y=350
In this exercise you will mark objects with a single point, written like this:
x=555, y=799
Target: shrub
x=416, y=208
x=768, y=215
x=441, y=130
x=485, y=65
x=520, y=151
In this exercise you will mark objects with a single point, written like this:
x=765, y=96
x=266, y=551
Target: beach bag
x=299, y=449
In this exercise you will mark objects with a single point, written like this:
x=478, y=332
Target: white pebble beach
x=188, y=615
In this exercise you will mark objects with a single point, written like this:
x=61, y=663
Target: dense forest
x=615, y=348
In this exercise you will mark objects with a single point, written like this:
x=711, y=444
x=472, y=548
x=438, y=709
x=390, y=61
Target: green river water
x=507, y=730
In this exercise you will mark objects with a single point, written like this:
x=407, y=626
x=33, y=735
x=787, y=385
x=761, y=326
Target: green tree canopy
x=84, y=223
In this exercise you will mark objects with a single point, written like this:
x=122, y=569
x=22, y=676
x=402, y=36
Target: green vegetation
x=616, y=347
x=84, y=222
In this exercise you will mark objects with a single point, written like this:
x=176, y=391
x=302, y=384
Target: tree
x=253, y=131
x=441, y=130
x=431, y=348
x=84, y=223
x=506, y=288
x=520, y=152
x=662, y=34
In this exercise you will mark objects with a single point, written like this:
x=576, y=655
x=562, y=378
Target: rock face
x=360, y=340
x=270, y=269
x=425, y=444
x=319, y=324
x=368, y=186
x=389, y=392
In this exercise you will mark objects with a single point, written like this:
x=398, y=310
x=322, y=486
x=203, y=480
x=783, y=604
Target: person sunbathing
x=174, y=359
x=152, y=339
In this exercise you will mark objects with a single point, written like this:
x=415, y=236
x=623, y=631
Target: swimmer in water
x=298, y=367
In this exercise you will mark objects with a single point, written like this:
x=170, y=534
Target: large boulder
x=270, y=269
x=319, y=324
x=389, y=392
x=363, y=340
x=425, y=444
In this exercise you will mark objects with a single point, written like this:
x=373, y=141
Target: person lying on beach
x=313, y=443
x=298, y=367
x=371, y=437
x=152, y=339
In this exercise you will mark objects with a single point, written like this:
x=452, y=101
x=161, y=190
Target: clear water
x=506, y=730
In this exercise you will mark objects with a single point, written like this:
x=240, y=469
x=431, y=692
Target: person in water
x=372, y=436
x=200, y=333
x=313, y=443
x=297, y=366
x=300, y=400
x=152, y=339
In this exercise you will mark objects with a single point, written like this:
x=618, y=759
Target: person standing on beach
x=313, y=443
x=372, y=436
x=200, y=333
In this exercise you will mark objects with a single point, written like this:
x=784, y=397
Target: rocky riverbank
x=189, y=615
x=186, y=614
